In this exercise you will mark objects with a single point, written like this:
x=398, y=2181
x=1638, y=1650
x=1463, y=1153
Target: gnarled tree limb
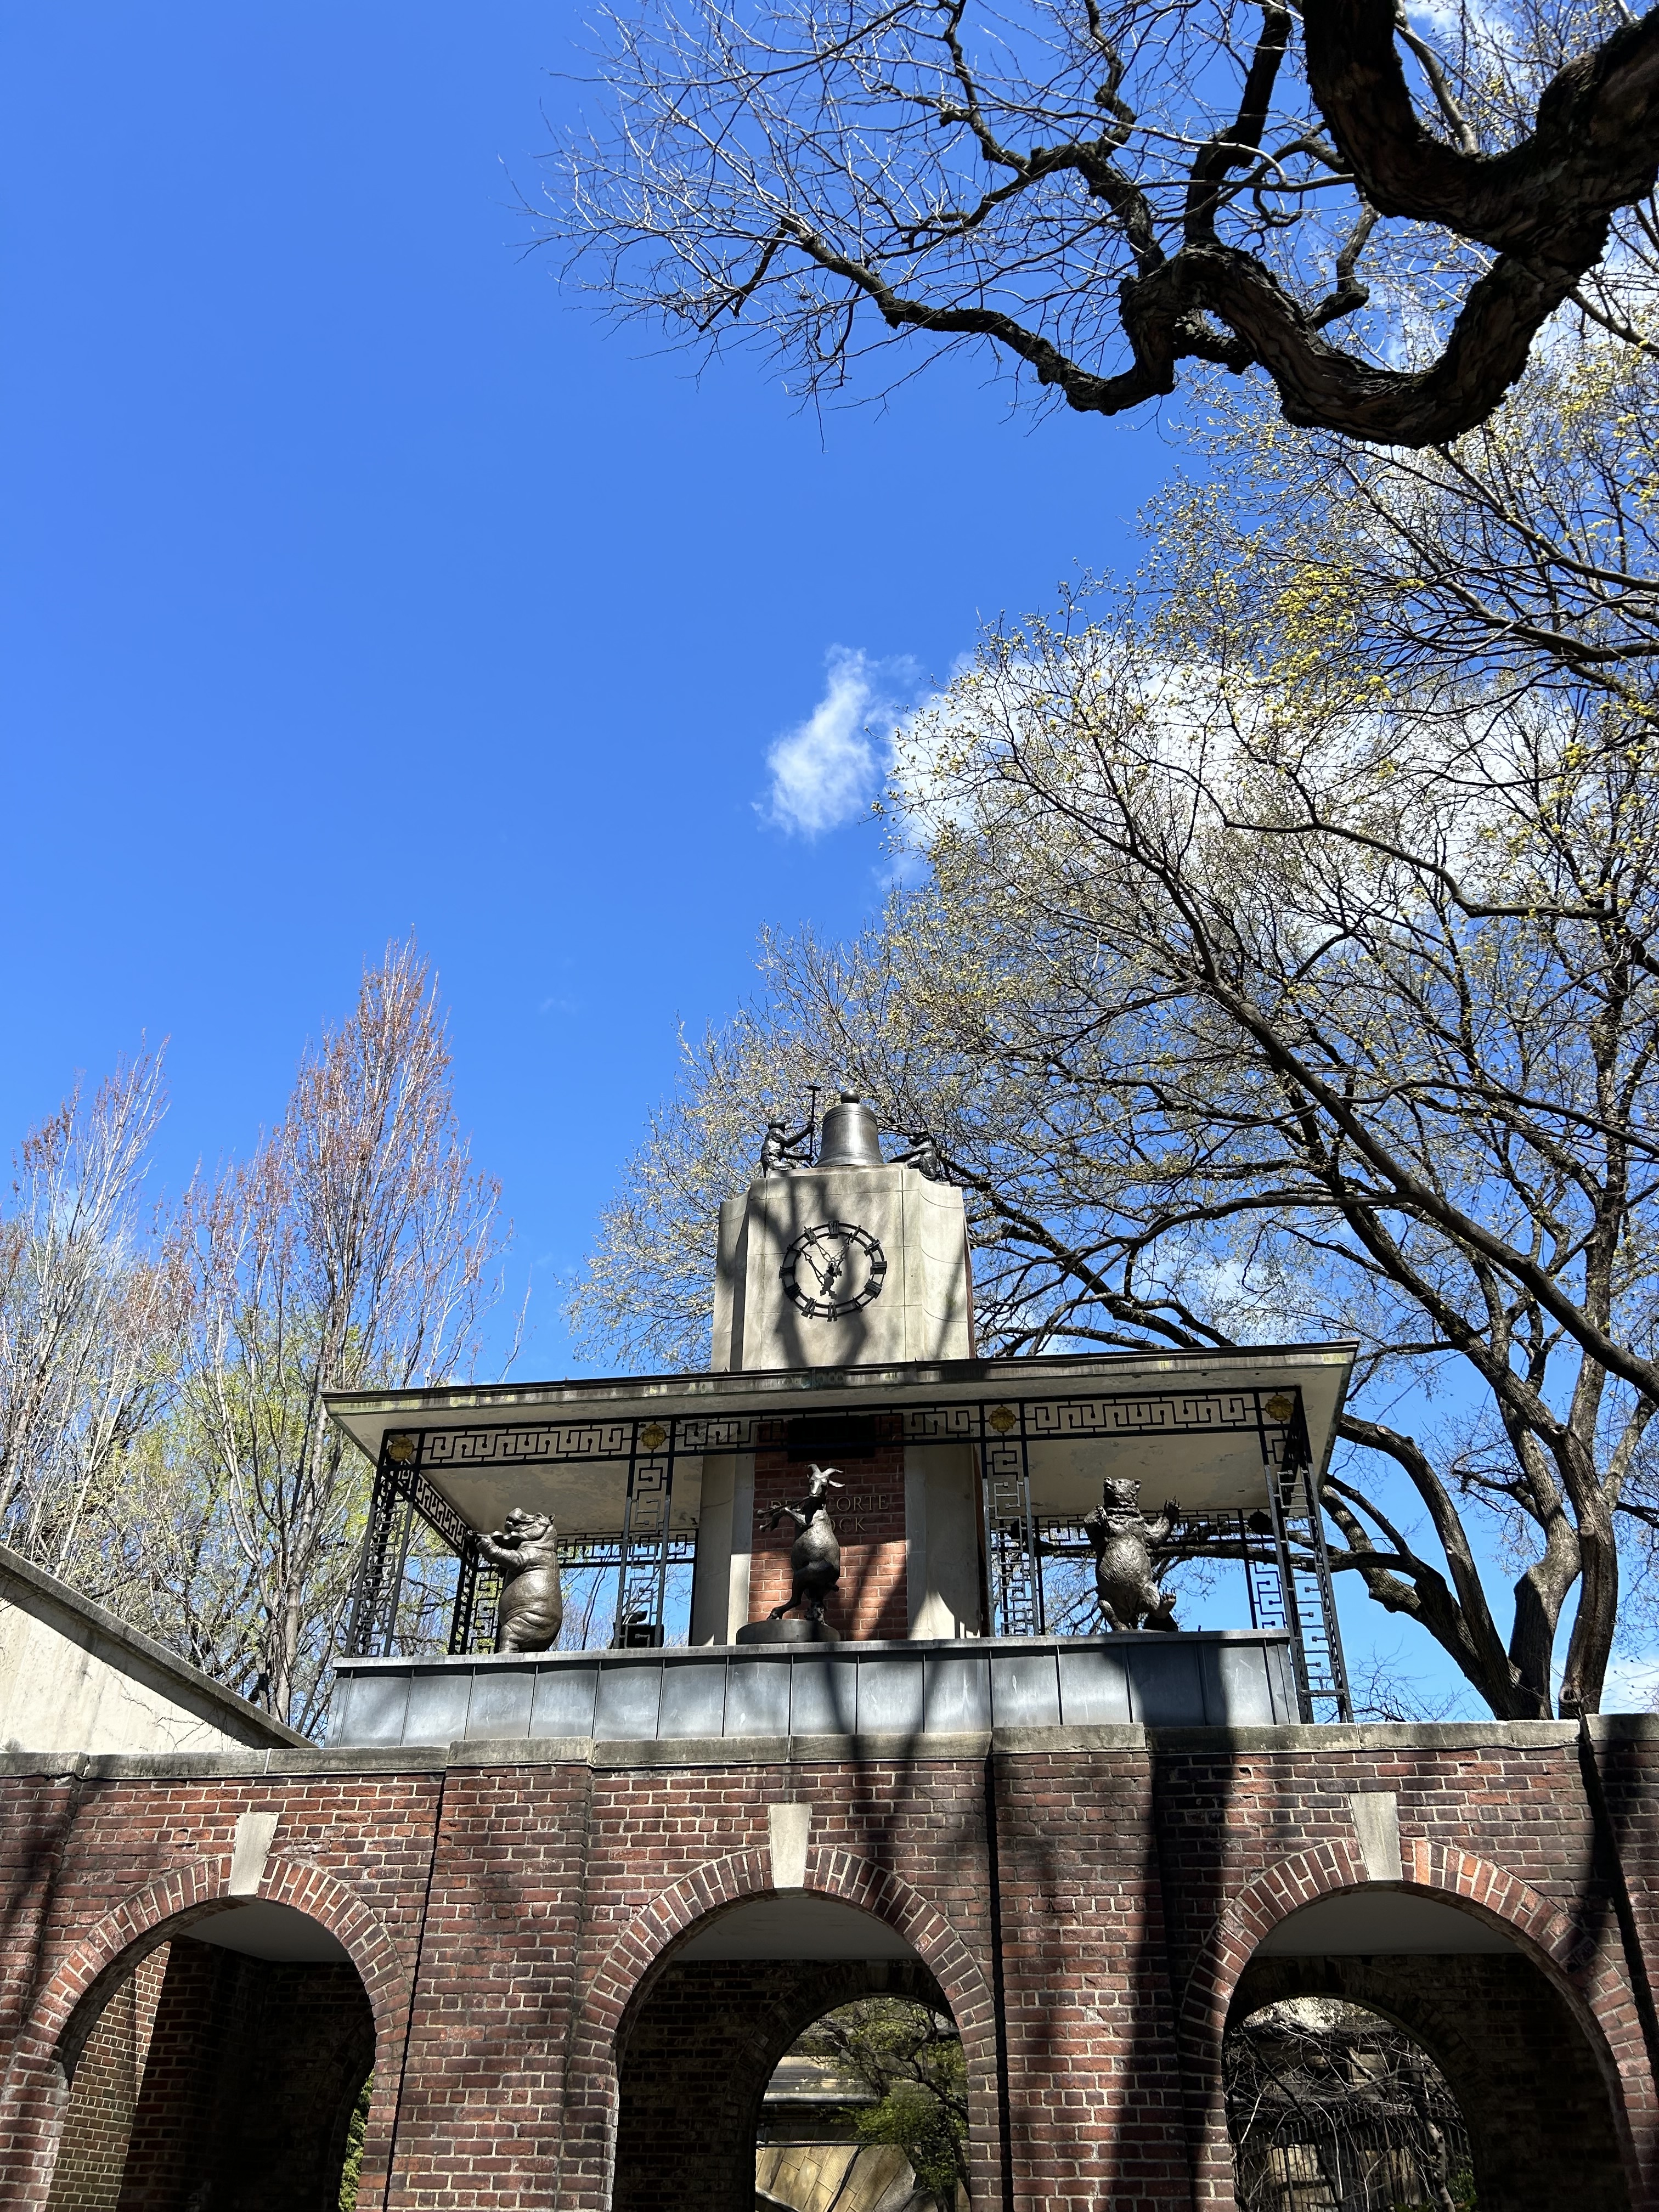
x=790, y=168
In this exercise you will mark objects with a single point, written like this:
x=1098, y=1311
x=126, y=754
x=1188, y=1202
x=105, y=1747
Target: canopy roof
x=1188, y=1426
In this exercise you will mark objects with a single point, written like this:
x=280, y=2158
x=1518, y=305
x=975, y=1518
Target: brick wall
x=1094, y=2090
x=872, y=1599
x=212, y=2079
x=667, y=1845
x=483, y=2096
x=1498, y=1817
x=509, y=1922
x=93, y=1870
x=108, y=2076
x=168, y=2151
x=254, y=2067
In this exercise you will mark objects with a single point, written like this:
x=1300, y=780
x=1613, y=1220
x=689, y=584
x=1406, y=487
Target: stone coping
x=700, y=1655
x=920, y=1688
x=1357, y=1739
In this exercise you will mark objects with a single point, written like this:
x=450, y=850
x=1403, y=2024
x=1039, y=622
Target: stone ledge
x=611, y=1755
x=222, y=1765
x=1016, y=1742
x=1623, y=1728
x=1372, y=1736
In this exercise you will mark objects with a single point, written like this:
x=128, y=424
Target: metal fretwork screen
x=447, y=1602
x=642, y=1583
x=1013, y=1570
x=1281, y=1547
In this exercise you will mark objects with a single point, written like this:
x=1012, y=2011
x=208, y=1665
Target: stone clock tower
x=852, y=1262
x=855, y=1261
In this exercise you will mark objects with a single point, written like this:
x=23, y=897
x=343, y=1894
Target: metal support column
x=1316, y=1603
x=462, y=1619
x=383, y=1503
x=1014, y=1583
x=1296, y=1589
x=642, y=1570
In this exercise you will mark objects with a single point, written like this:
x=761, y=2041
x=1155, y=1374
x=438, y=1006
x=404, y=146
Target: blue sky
x=356, y=579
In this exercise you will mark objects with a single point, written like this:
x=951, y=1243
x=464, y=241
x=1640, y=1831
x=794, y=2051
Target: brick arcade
x=515, y=1930
x=568, y=1910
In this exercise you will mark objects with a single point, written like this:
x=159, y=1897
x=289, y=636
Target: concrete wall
x=73, y=1678
x=921, y=1311
x=1088, y=1901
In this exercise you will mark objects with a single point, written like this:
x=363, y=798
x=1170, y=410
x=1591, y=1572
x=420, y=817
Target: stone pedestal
x=792, y=1630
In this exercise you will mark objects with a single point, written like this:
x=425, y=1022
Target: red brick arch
x=1599, y=1998
x=722, y=1883
x=34, y=2090
x=1435, y=1870
x=715, y=1888
x=166, y=1906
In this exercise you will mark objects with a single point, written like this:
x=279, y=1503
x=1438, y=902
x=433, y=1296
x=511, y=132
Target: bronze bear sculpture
x=1123, y=1539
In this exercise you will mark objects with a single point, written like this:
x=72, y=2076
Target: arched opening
x=224, y=2068
x=867, y=2111
x=700, y=2044
x=1388, y=2049
x=1332, y=2108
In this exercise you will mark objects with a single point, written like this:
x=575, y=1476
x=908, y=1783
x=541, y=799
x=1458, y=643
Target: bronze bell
x=851, y=1139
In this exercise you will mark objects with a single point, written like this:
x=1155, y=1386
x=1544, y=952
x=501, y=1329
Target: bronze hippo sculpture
x=525, y=1553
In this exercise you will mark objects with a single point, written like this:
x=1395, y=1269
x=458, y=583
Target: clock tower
x=853, y=1262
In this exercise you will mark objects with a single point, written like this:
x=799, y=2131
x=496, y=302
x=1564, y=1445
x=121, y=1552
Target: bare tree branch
x=764, y=166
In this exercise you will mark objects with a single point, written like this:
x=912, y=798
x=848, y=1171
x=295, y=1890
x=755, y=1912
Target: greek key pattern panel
x=1140, y=1417
x=515, y=1447
x=1277, y=1419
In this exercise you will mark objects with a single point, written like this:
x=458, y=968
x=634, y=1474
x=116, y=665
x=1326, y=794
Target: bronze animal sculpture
x=815, y=1555
x=780, y=1152
x=922, y=1154
x=525, y=1553
x=1123, y=1539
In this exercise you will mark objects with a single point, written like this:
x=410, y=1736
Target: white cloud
x=827, y=769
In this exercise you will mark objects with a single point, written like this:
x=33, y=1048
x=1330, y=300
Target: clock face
x=833, y=1268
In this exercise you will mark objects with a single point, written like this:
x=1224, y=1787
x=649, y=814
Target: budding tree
x=1250, y=999
x=91, y=1312
x=357, y=1247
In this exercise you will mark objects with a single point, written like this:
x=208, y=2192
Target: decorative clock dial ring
x=835, y=1267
